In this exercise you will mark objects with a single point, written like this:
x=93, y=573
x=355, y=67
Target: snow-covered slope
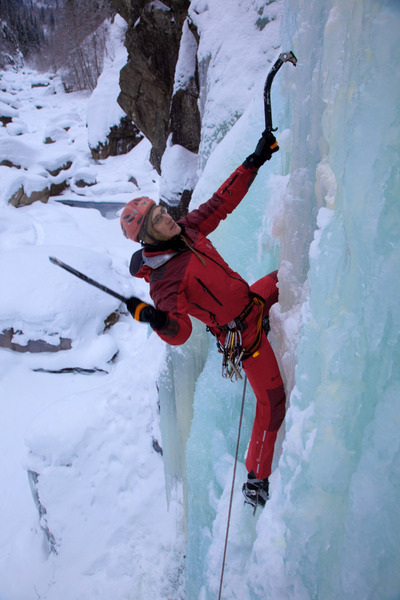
x=83, y=492
x=325, y=211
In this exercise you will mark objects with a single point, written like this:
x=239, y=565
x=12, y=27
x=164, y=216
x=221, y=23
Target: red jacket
x=200, y=283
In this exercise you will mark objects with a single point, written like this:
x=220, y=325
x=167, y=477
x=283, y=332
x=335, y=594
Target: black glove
x=141, y=311
x=265, y=148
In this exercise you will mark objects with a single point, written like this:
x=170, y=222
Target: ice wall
x=331, y=527
x=340, y=484
x=176, y=385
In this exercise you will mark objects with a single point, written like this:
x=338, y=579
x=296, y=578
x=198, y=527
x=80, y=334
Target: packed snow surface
x=89, y=505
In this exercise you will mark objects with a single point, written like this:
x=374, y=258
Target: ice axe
x=77, y=273
x=283, y=57
x=140, y=311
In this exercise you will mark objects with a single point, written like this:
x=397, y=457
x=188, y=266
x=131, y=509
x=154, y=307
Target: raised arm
x=207, y=217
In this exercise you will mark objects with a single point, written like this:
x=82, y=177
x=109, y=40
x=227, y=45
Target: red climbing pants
x=264, y=377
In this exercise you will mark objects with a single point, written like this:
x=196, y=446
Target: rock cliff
x=161, y=101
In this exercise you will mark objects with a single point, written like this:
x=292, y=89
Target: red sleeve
x=178, y=327
x=207, y=217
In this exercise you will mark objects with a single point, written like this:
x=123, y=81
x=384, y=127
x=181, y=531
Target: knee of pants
x=277, y=399
x=266, y=287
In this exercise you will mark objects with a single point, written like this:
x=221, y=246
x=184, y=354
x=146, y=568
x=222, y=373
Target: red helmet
x=133, y=217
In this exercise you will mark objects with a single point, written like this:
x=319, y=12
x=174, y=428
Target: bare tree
x=19, y=29
x=76, y=48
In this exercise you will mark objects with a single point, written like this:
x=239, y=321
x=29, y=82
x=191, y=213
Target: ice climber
x=187, y=276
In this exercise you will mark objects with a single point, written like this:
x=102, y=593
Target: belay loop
x=232, y=351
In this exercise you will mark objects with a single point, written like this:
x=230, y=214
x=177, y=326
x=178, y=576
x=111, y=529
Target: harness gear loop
x=232, y=355
x=232, y=350
x=232, y=489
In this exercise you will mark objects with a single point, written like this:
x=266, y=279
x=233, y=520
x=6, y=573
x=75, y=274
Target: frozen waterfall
x=331, y=210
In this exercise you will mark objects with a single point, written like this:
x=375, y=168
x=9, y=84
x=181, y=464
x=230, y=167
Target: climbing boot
x=255, y=491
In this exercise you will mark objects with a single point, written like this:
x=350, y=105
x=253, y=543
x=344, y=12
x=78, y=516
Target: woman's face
x=162, y=226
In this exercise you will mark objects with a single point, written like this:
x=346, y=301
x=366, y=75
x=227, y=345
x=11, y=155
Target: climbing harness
x=233, y=352
x=232, y=489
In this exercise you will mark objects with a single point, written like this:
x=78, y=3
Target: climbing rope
x=233, y=485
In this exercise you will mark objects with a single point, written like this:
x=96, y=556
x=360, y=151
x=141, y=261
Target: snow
x=186, y=64
x=179, y=172
x=117, y=519
x=6, y=110
x=103, y=112
x=228, y=77
x=158, y=5
x=82, y=421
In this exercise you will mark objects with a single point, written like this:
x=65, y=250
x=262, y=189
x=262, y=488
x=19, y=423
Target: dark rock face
x=7, y=341
x=121, y=139
x=50, y=188
x=185, y=119
x=21, y=198
x=5, y=120
x=180, y=210
x=147, y=81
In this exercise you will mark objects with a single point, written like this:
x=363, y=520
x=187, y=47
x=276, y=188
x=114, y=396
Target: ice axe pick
x=283, y=57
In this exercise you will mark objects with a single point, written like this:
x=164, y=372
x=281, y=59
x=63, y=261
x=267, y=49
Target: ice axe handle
x=100, y=286
x=283, y=57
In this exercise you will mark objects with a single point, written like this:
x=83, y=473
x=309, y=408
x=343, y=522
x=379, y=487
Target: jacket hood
x=142, y=263
x=153, y=256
